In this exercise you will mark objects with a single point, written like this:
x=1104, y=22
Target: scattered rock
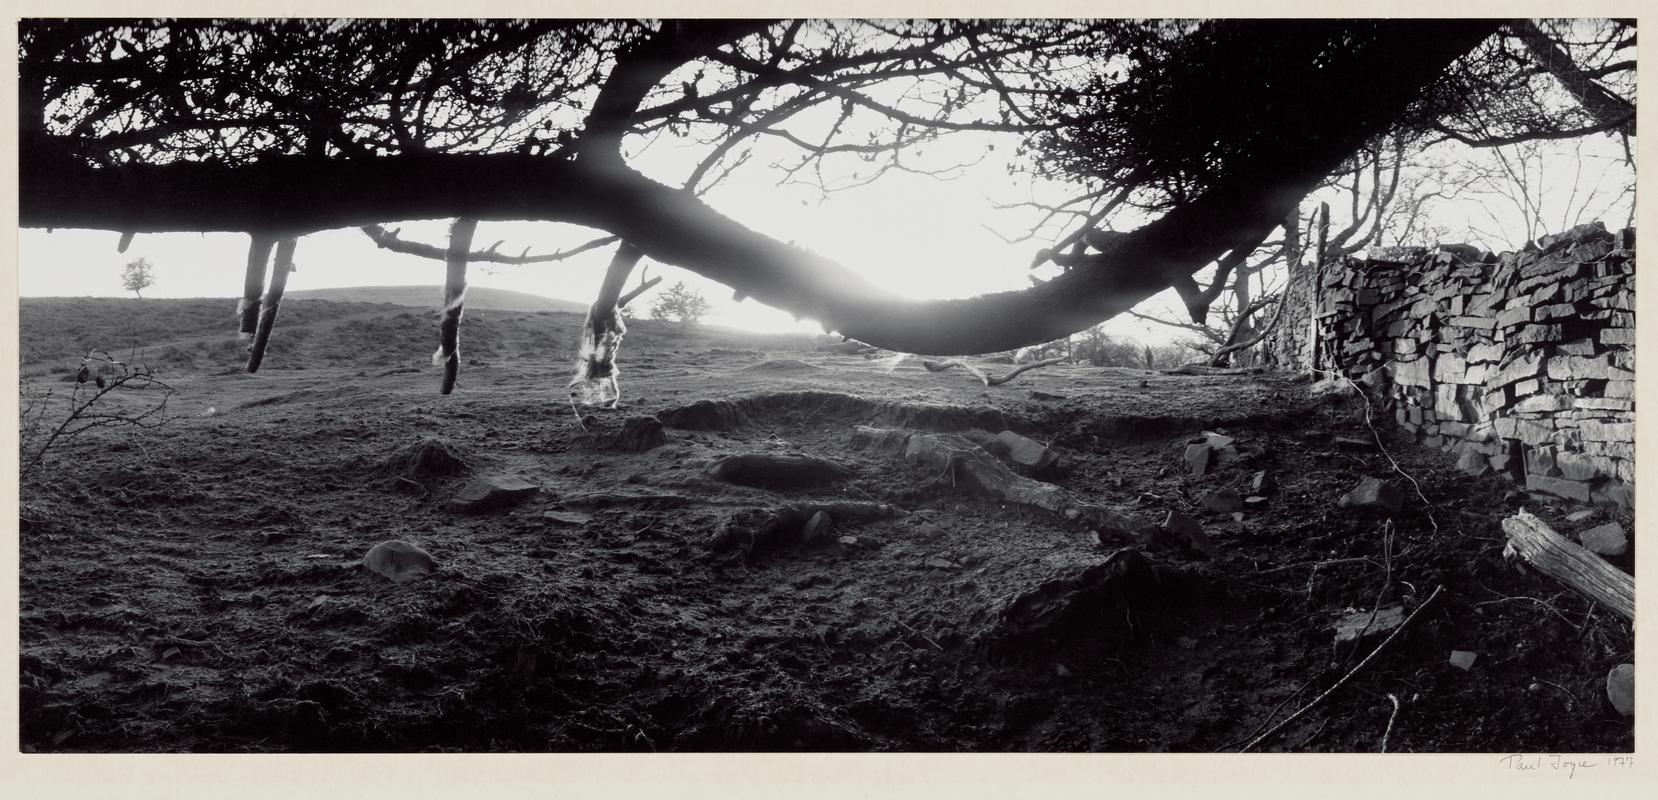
x=1353, y=444
x=1220, y=447
x=941, y=563
x=778, y=469
x=848, y=541
x=1262, y=483
x=1373, y=494
x=1041, y=395
x=818, y=526
x=488, y=494
x=1222, y=501
x=1197, y=458
x=1620, y=688
x=429, y=458
x=570, y=518
x=1331, y=389
x=1559, y=487
x=1463, y=659
x=1186, y=533
x=1215, y=440
x=1186, y=643
x=1028, y=456
x=640, y=434
x=1473, y=463
x=399, y=560
x=1607, y=540
x=1062, y=671
x=1580, y=517
x=755, y=530
x=271, y=537
x=1359, y=624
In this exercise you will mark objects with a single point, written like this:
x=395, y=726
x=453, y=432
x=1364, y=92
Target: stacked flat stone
x=1522, y=363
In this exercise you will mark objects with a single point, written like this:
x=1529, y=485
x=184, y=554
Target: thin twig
x=1387, y=581
x=1317, y=564
x=1542, y=603
x=986, y=378
x=1369, y=422
x=1350, y=673
x=1265, y=722
x=923, y=636
x=1393, y=698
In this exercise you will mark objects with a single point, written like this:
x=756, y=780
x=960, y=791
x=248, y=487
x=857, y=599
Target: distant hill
x=478, y=298
x=199, y=334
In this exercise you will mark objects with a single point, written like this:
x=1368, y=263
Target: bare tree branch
x=389, y=240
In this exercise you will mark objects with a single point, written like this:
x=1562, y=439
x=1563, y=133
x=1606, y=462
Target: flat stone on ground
x=1607, y=540
x=1374, y=494
x=1030, y=456
x=1218, y=440
x=488, y=494
x=1620, y=688
x=1197, y=458
x=640, y=434
x=819, y=526
x=1188, y=532
x=1463, y=659
x=1473, y=463
x=572, y=518
x=399, y=560
x=1350, y=628
x=1222, y=501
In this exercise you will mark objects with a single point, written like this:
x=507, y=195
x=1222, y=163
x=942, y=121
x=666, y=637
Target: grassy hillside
x=478, y=298
x=199, y=335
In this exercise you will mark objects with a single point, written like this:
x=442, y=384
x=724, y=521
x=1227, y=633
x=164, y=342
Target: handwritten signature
x=1554, y=762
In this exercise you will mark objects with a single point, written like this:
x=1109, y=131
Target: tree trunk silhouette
x=294, y=195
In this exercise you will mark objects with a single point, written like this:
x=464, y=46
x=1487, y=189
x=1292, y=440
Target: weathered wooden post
x=454, y=297
x=259, y=255
x=283, y=265
x=1318, y=282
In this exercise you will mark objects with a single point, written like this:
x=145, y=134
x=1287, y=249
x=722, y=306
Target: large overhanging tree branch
x=1359, y=84
x=1509, y=89
x=1606, y=108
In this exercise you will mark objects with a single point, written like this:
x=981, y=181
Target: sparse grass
x=199, y=335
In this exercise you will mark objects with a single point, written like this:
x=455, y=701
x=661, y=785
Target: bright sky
x=915, y=234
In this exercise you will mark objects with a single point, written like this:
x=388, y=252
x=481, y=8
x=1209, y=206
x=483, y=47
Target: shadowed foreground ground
x=199, y=587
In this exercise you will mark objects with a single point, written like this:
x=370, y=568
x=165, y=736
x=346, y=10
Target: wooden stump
x=1534, y=542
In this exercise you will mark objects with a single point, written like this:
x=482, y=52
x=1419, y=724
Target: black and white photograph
x=825, y=385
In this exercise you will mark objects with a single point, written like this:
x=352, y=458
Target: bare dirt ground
x=200, y=587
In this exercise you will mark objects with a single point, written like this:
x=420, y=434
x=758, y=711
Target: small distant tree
x=682, y=303
x=138, y=276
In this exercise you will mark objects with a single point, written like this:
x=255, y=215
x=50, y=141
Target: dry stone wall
x=1522, y=363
